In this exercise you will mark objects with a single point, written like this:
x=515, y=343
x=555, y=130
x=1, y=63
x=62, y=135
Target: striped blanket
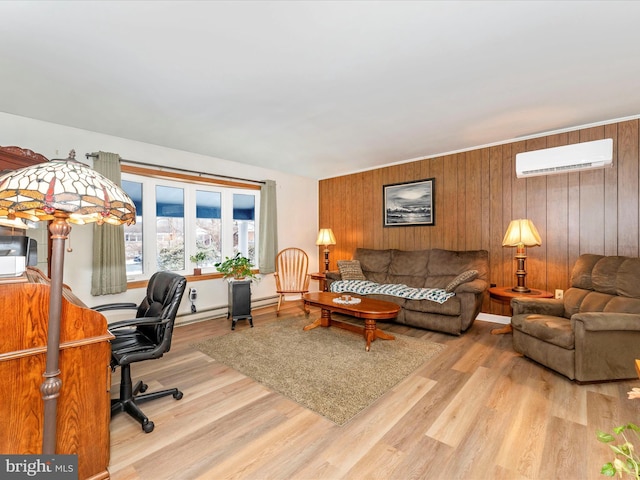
x=365, y=287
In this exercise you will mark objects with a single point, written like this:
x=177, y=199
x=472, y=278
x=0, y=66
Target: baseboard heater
x=220, y=311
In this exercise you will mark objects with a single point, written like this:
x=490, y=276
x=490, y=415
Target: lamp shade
x=36, y=192
x=521, y=232
x=326, y=237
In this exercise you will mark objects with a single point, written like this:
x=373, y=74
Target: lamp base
x=521, y=273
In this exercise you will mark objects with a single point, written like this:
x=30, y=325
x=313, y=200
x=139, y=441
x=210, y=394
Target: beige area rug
x=325, y=369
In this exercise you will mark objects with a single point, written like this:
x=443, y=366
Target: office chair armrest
x=115, y=306
x=134, y=322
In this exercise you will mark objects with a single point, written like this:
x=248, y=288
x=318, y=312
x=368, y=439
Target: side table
x=322, y=278
x=505, y=294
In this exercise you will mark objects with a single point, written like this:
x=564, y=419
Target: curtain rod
x=182, y=170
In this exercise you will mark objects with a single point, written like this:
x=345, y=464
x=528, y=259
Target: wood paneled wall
x=476, y=196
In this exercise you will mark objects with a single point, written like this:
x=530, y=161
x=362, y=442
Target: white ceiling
x=320, y=88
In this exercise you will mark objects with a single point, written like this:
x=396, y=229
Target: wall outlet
x=559, y=293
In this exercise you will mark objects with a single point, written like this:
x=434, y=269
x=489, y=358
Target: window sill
x=190, y=278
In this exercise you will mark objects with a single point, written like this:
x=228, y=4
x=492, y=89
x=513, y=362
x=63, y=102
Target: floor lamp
x=326, y=238
x=62, y=192
x=521, y=233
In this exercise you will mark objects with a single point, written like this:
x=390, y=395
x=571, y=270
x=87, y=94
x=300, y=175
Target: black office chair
x=146, y=337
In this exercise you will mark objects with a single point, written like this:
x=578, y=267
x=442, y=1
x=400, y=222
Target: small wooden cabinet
x=239, y=302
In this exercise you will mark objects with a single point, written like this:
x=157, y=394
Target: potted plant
x=198, y=258
x=237, y=267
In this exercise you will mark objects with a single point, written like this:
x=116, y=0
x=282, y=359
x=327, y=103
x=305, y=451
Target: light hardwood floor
x=476, y=411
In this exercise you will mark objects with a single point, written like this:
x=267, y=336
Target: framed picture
x=409, y=204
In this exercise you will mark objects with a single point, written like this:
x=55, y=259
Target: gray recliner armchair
x=591, y=335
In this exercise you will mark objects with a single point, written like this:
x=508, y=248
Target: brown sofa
x=433, y=268
x=593, y=334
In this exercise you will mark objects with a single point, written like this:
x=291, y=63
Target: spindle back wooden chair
x=291, y=275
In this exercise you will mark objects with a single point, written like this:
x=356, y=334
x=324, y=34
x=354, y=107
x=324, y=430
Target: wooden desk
x=505, y=294
x=84, y=404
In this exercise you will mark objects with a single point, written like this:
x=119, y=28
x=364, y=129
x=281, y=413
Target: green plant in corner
x=236, y=267
x=626, y=458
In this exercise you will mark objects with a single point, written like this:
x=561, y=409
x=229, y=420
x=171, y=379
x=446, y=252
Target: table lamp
x=63, y=192
x=521, y=233
x=326, y=238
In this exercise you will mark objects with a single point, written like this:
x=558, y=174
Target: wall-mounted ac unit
x=568, y=158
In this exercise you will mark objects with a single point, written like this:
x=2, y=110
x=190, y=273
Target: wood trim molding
x=63, y=346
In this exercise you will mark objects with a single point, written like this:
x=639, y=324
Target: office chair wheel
x=148, y=426
x=143, y=388
x=178, y=395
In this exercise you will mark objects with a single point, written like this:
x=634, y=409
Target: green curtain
x=109, y=265
x=268, y=248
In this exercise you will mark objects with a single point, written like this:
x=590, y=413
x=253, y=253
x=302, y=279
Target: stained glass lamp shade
x=63, y=191
x=38, y=192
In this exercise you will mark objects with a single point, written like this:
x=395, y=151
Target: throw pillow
x=350, y=270
x=464, y=277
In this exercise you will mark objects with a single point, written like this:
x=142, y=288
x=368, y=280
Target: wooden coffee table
x=368, y=309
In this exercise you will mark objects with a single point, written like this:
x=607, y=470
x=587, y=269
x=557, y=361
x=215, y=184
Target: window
x=175, y=219
x=133, y=233
x=209, y=225
x=170, y=228
x=244, y=224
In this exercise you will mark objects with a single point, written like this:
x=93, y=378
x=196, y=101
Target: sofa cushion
x=374, y=263
x=595, y=302
x=408, y=267
x=550, y=329
x=573, y=298
x=350, y=270
x=620, y=304
x=604, y=275
x=628, y=281
x=445, y=265
x=581, y=273
x=450, y=307
x=464, y=277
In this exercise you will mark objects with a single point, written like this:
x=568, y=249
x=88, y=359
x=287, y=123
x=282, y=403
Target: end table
x=505, y=294
x=322, y=278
